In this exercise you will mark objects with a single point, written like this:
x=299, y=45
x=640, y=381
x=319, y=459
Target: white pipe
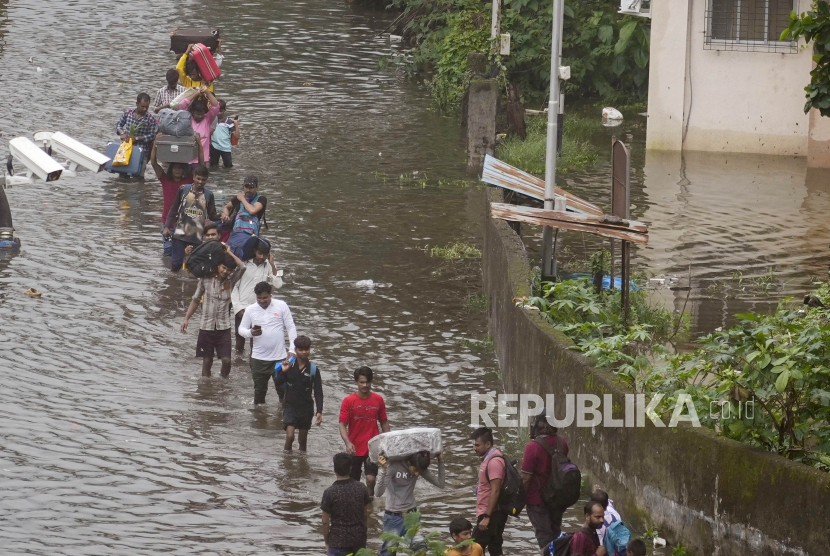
x=548, y=262
x=495, y=24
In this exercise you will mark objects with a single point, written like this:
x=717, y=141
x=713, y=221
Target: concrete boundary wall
x=716, y=496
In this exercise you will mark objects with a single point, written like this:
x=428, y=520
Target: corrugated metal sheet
x=635, y=232
x=504, y=175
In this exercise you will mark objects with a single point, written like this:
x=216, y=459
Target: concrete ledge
x=716, y=496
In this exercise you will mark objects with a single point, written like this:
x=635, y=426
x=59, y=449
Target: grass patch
x=454, y=251
x=529, y=155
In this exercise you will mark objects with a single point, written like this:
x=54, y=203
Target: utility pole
x=548, y=250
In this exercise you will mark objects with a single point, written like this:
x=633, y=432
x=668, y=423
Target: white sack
x=399, y=445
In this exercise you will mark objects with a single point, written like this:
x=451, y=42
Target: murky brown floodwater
x=111, y=443
x=730, y=219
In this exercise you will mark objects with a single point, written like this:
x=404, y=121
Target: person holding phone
x=267, y=322
x=303, y=390
x=225, y=134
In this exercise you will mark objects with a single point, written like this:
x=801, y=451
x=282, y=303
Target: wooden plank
x=615, y=232
x=633, y=225
x=503, y=175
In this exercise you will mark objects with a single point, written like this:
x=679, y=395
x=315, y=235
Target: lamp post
x=548, y=249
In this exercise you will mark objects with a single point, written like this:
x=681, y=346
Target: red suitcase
x=205, y=62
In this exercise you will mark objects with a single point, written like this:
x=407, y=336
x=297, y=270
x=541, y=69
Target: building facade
x=720, y=80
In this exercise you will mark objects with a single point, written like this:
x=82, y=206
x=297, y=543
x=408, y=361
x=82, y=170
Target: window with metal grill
x=749, y=25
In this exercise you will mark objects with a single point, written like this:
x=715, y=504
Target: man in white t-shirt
x=267, y=322
x=259, y=269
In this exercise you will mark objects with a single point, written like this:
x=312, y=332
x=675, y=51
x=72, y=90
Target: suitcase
x=205, y=62
x=180, y=38
x=170, y=148
x=131, y=169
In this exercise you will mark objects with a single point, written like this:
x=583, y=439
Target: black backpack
x=250, y=246
x=205, y=258
x=512, y=494
x=562, y=489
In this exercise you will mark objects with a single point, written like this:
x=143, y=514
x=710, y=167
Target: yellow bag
x=122, y=157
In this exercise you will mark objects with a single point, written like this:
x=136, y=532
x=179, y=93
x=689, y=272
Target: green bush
x=781, y=362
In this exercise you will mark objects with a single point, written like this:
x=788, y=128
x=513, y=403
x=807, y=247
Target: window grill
x=748, y=25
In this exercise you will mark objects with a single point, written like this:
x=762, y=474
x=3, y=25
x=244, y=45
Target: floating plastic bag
x=399, y=445
x=122, y=157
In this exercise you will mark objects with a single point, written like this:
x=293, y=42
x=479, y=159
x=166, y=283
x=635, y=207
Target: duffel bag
x=175, y=122
x=205, y=258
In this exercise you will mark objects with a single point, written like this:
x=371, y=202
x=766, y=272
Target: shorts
x=214, y=341
x=297, y=417
x=369, y=468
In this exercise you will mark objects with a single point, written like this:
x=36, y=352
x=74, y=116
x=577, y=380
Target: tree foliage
x=608, y=52
x=814, y=26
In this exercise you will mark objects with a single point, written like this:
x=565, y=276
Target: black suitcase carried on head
x=180, y=38
x=205, y=258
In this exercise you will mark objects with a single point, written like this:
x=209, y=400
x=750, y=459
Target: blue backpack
x=616, y=539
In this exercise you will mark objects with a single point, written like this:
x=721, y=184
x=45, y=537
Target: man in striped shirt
x=170, y=91
x=215, y=323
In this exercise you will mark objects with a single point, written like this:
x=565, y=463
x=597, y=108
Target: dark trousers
x=177, y=256
x=547, y=523
x=240, y=341
x=262, y=373
x=215, y=154
x=492, y=537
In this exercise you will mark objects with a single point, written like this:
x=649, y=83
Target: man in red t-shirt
x=546, y=521
x=360, y=414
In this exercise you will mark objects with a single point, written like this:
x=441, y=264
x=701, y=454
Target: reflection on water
x=750, y=229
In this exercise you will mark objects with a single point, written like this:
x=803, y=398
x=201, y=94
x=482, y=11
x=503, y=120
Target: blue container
x=133, y=168
x=606, y=280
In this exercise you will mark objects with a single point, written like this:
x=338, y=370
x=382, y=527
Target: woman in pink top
x=202, y=117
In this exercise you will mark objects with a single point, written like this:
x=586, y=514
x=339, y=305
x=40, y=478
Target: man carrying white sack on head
x=397, y=480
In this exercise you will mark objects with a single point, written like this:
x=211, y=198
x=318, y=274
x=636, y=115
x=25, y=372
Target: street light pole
x=548, y=260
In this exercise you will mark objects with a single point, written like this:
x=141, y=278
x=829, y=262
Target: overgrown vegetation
x=608, y=52
x=577, y=153
x=529, y=154
x=769, y=375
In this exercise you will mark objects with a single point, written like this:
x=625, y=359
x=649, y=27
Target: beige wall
x=750, y=102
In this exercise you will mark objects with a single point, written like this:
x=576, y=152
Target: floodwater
x=745, y=231
x=111, y=443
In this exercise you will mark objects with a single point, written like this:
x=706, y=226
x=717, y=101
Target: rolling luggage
x=175, y=149
x=205, y=62
x=133, y=168
x=180, y=38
